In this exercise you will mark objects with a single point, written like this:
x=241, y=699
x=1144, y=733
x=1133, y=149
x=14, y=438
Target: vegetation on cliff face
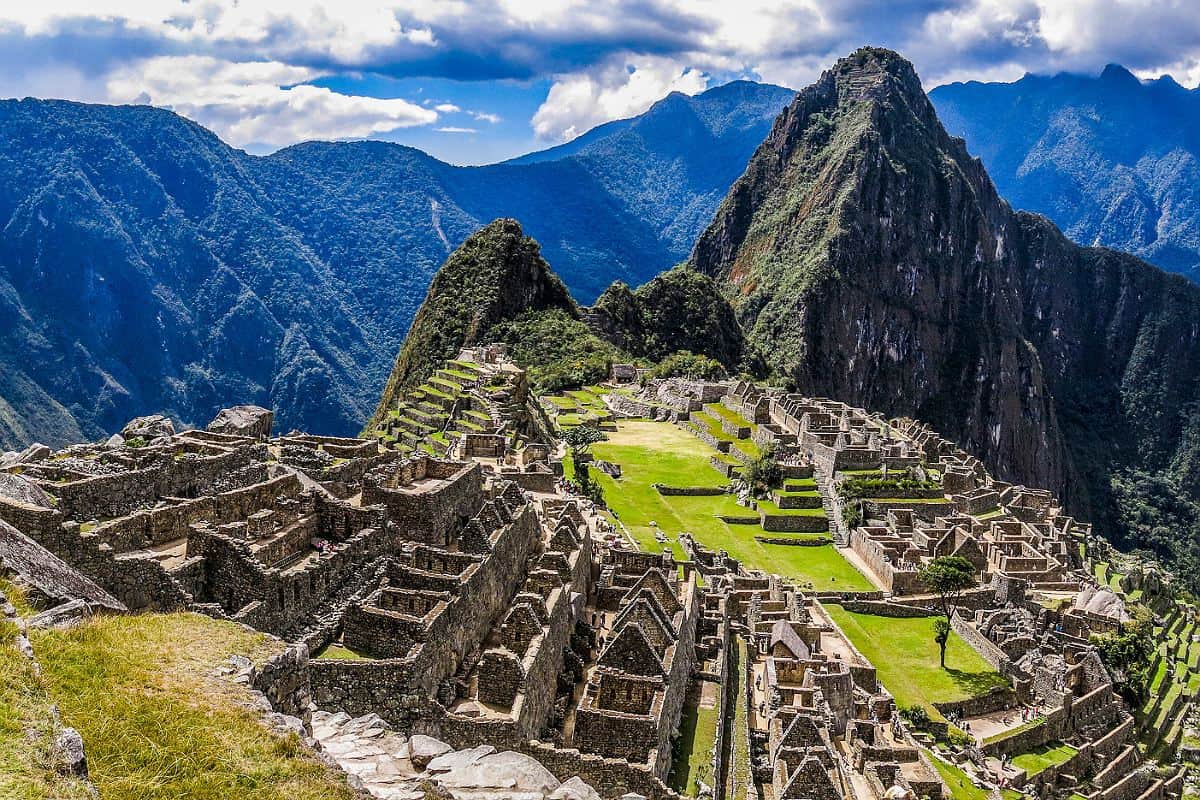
x=680, y=310
x=869, y=258
x=558, y=350
x=497, y=275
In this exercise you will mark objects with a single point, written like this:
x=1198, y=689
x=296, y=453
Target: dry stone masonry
x=458, y=619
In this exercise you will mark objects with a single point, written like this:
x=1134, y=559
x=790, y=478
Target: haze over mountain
x=870, y=259
x=146, y=266
x=1112, y=160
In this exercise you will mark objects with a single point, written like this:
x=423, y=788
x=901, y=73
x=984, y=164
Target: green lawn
x=906, y=659
x=655, y=452
x=962, y=787
x=693, y=749
x=1048, y=755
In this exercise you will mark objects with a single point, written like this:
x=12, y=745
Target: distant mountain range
x=147, y=266
x=1112, y=160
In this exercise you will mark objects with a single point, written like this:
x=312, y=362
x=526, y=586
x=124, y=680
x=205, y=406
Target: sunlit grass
x=160, y=724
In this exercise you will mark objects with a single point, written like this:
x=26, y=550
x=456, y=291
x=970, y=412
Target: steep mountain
x=147, y=266
x=496, y=275
x=870, y=258
x=496, y=287
x=1112, y=160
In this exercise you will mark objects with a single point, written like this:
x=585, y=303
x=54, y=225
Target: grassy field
x=27, y=724
x=1050, y=755
x=653, y=452
x=962, y=787
x=906, y=659
x=157, y=721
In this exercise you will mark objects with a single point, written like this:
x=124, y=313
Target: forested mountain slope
x=870, y=258
x=146, y=266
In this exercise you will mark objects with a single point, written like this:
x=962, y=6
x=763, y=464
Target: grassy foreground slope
x=158, y=721
x=27, y=724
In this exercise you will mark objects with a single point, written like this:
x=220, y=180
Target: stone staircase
x=841, y=536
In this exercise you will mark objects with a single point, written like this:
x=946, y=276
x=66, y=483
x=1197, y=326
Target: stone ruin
x=483, y=615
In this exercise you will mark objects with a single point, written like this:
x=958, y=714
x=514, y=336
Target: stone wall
x=982, y=645
x=424, y=513
x=795, y=523
x=284, y=679
x=152, y=527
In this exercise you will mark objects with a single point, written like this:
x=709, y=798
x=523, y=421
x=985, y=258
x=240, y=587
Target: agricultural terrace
x=658, y=452
x=906, y=659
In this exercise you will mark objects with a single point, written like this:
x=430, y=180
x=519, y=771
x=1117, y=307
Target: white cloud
x=456, y=129
x=259, y=102
x=583, y=100
x=606, y=58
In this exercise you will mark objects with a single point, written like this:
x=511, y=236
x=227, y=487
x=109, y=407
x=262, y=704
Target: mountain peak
x=1115, y=73
x=870, y=70
x=496, y=275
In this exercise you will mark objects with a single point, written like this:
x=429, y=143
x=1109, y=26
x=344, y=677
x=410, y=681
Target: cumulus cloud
x=261, y=103
x=604, y=58
x=581, y=101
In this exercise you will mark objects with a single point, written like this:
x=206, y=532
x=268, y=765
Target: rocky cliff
x=870, y=258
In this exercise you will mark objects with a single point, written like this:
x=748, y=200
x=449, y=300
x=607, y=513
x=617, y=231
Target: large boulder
x=424, y=749
x=148, y=428
x=251, y=421
x=23, y=490
x=481, y=768
x=35, y=452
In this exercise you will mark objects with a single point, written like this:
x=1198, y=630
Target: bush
x=916, y=716
x=959, y=738
x=683, y=364
x=763, y=472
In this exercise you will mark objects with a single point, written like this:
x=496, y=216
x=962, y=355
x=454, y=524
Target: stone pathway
x=390, y=766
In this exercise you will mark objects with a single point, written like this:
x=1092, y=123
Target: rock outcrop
x=252, y=421
x=870, y=258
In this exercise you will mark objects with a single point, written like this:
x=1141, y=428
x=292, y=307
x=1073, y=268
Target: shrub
x=683, y=364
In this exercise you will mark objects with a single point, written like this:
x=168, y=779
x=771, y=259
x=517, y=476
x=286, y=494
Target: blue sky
x=474, y=82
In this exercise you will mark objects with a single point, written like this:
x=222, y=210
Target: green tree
x=763, y=473
x=581, y=438
x=1127, y=654
x=948, y=577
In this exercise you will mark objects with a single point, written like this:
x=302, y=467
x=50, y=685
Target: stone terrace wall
x=426, y=516
x=106, y=496
x=147, y=528
x=483, y=596
x=982, y=645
